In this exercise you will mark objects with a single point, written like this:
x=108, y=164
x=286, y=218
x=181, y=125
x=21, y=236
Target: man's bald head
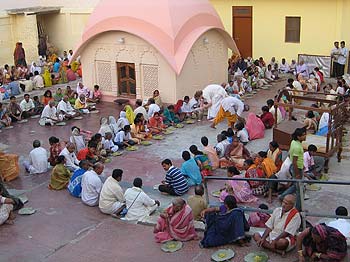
x=288, y=203
x=290, y=199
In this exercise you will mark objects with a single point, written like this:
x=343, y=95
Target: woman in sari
x=170, y=118
x=136, y=131
x=275, y=154
x=105, y=128
x=321, y=243
x=157, y=98
x=113, y=125
x=58, y=95
x=258, y=187
x=60, y=175
x=224, y=225
x=63, y=75
x=176, y=223
x=155, y=124
x=238, y=188
x=122, y=121
x=55, y=150
x=129, y=113
x=47, y=78
x=235, y=154
x=202, y=161
x=47, y=97
x=77, y=139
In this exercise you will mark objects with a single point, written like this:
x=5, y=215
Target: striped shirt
x=176, y=179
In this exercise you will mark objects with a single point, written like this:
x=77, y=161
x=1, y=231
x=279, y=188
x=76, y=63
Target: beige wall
x=99, y=60
x=206, y=64
x=6, y=42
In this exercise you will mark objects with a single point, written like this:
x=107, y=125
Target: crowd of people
x=78, y=164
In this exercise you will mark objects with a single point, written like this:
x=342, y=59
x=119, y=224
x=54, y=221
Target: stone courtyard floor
x=63, y=229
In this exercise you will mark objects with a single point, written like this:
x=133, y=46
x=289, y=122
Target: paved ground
x=63, y=229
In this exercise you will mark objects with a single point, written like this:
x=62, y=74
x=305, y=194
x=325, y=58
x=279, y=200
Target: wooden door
x=126, y=79
x=242, y=29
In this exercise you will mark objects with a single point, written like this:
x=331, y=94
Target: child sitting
x=311, y=171
x=259, y=219
x=242, y=133
x=197, y=202
x=123, y=138
x=190, y=170
x=230, y=134
x=210, y=152
x=310, y=121
x=267, y=118
x=221, y=145
x=108, y=144
x=202, y=161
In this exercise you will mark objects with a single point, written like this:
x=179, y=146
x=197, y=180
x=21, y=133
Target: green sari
x=59, y=177
x=170, y=117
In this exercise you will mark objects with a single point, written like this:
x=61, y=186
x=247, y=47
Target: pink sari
x=241, y=191
x=178, y=226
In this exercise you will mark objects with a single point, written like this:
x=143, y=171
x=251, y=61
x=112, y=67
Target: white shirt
x=65, y=107
x=38, y=81
x=343, y=55
x=279, y=114
x=284, y=68
x=194, y=103
x=108, y=144
x=120, y=137
x=72, y=161
x=340, y=90
x=26, y=106
x=221, y=147
x=110, y=194
x=49, y=112
x=28, y=85
x=243, y=136
x=233, y=105
x=303, y=70
x=139, y=209
x=186, y=108
x=38, y=160
x=84, y=91
x=141, y=110
x=152, y=109
x=91, y=187
x=343, y=225
x=335, y=54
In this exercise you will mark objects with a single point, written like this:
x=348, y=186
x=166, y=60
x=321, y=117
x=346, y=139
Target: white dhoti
x=214, y=94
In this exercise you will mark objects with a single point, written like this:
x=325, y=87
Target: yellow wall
x=322, y=22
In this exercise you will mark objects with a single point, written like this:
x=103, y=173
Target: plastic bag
x=255, y=127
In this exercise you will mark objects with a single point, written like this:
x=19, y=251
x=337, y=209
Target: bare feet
x=213, y=126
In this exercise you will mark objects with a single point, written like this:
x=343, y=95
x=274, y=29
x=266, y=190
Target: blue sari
x=225, y=227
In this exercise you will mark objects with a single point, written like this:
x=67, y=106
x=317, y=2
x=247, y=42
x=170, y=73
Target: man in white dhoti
x=72, y=162
x=213, y=95
x=49, y=115
x=65, y=108
x=38, y=157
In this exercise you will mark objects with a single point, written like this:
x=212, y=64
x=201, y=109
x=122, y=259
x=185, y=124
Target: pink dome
x=171, y=26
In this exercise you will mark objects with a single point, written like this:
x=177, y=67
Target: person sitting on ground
x=38, y=157
x=65, y=108
x=268, y=74
x=237, y=188
x=190, y=170
x=49, y=116
x=6, y=210
x=275, y=153
x=235, y=154
x=72, y=162
x=137, y=131
x=14, y=110
x=38, y=81
x=175, y=183
x=60, y=175
x=341, y=224
x=138, y=203
x=170, y=119
x=58, y=95
x=310, y=121
x=74, y=186
x=27, y=106
x=176, y=223
x=282, y=227
x=123, y=138
x=122, y=121
x=270, y=103
x=267, y=164
x=242, y=133
x=197, y=202
x=152, y=107
x=13, y=87
x=96, y=95
x=186, y=110
x=77, y=139
x=140, y=109
x=91, y=185
x=5, y=119
x=100, y=152
x=259, y=219
x=157, y=98
x=155, y=124
x=38, y=106
x=211, y=153
x=55, y=150
x=311, y=171
x=221, y=146
x=321, y=243
x=202, y=161
x=88, y=153
x=47, y=97
x=284, y=67
x=81, y=89
x=105, y=127
x=267, y=118
x=81, y=104
x=225, y=225
x=108, y=144
x=130, y=115
x=112, y=199
x=71, y=76
x=252, y=171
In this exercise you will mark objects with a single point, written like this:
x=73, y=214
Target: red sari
x=178, y=226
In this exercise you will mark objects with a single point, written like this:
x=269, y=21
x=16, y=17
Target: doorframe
x=249, y=15
x=120, y=94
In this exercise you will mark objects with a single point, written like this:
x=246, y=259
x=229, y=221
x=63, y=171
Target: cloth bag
x=255, y=127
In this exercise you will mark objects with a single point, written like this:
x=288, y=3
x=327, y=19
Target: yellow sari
x=60, y=177
x=130, y=115
x=47, y=78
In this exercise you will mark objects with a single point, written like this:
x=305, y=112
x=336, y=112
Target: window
x=292, y=29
